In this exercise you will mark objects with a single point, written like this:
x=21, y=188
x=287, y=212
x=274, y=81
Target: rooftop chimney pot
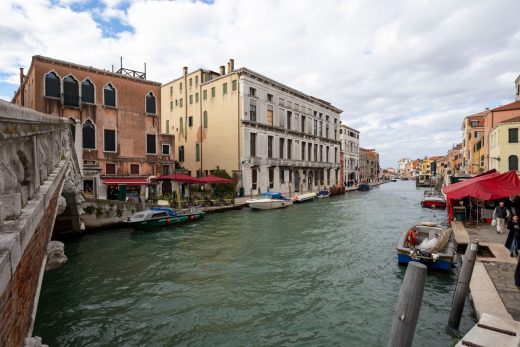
x=231, y=65
x=185, y=69
x=222, y=70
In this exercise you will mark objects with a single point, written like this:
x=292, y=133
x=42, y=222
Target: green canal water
x=322, y=273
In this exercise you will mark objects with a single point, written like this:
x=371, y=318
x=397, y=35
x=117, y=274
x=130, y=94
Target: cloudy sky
x=405, y=72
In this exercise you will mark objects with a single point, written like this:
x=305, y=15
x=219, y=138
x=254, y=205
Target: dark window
x=52, y=85
x=513, y=162
x=254, y=176
x=150, y=103
x=197, y=152
x=252, y=92
x=134, y=169
x=72, y=126
x=269, y=97
x=281, y=148
x=252, y=112
x=165, y=149
x=181, y=153
x=303, y=151
x=315, y=127
x=190, y=121
x=87, y=92
x=205, y=119
x=165, y=170
x=271, y=177
x=282, y=176
x=252, y=145
x=303, y=124
x=327, y=154
x=269, y=146
x=513, y=135
x=150, y=144
x=309, y=150
x=110, y=140
x=224, y=88
x=234, y=84
x=289, y=113
x=315, y=152
x=110, y=169
x=89, y=135
x=70, y=91
x=289, y=149
x=110, y=95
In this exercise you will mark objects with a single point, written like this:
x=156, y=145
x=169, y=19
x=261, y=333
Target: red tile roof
x=512, y=120
x=512, y=106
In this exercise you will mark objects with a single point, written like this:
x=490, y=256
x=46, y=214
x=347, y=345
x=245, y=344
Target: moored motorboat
x=269, y=201
x=159, y=217
x=428, y=244
x=323, y=194
x=363, y=187
x=433, y=199
x=304, y=197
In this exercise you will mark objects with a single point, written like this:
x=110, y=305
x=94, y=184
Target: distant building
x=455, y=159
x=401, y=165
x=369, y=165
x=349, y=138
x=472, y=127
x=269, y=136
x=118, y=120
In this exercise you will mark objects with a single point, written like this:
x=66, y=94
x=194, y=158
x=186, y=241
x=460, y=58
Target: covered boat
x=433, y=199
x=304, y=197
x=158, y=217
x=269, y=201
x=363, y=187
x=323, y=194
x=429, y=244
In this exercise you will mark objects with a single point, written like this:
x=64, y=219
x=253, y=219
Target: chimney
x=21, y=75
x=185, y=69
x=228, y=67
x=231, y=65
x=222, y=70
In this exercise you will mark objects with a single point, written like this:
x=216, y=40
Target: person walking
x=500, y=214
x=513, y=238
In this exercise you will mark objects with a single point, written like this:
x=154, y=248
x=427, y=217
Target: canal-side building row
x=369, y=169
x=267, y=135
x=115, y=122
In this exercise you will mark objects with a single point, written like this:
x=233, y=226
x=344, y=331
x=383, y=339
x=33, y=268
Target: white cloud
x=405, y=73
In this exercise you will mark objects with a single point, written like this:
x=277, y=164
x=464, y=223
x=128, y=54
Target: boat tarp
x=490, y=186
x=169, y=211
x=273, y=195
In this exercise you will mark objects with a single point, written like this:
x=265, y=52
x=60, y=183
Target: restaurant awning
x=129, y=181
x=211, y=179
x=178, y=177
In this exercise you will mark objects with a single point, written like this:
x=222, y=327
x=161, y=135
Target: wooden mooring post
x=408, y=306
x=462, y=289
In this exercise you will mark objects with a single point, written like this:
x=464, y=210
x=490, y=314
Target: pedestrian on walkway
x=500, y=214
x=513, y=238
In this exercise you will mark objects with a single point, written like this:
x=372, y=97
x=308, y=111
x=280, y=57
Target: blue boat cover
x=272, y=195
x=168, y=210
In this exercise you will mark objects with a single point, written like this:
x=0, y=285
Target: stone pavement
x=502, y=275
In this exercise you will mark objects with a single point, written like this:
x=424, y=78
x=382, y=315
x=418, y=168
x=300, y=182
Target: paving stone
x=502, y=275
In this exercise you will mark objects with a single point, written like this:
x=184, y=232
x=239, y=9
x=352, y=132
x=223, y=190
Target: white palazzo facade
x=290, y=140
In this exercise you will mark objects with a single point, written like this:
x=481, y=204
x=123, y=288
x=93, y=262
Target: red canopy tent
x=178, y=177
x=488, y=186
x=211, y=179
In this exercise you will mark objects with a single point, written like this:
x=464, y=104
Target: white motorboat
x=269, y=201
x=304, y=197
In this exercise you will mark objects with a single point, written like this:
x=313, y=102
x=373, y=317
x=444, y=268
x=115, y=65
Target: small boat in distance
x=158, y=217
x=433, y=199
x=429, y=244
x=323, y=194
x=363, y=187
x=304, y=197
x=269, y=201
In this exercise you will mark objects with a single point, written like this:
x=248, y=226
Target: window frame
x=146, y=143
x=77, y=89
x=115, y=140
x=115, y=95
x=45, y=85
x=510, y=132
x=169, y=148
x=150, y=93
x=93, y=89
x=133, y=165
x=115, y=168
x=83, y=136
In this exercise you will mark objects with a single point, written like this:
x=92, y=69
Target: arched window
x=70, y=91
x=205, y=119
x=109, y=95
x=87, y=92
x=89, y=135
x=513, y=162
x=52, y=85
x=150, y=103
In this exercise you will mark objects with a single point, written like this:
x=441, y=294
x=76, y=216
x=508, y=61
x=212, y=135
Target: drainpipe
x=201, y=125
x=238, y=125
x=22, y=88
x=185, y=72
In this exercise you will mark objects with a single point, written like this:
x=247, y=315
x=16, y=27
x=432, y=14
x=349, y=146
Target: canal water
x=319, y=273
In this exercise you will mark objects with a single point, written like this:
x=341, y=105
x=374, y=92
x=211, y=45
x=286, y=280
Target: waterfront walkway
x=495, y=266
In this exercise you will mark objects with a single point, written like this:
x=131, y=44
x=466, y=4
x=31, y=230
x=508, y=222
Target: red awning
x=214, y=179
x=132, y=181
x=178, y=177
x=492, y=186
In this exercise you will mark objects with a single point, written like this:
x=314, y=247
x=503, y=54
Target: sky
x=404, y=72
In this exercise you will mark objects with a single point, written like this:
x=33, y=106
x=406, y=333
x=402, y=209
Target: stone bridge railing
x=38, y=164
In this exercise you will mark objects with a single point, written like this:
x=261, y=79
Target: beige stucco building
x=504, y=148
x=267, y=135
